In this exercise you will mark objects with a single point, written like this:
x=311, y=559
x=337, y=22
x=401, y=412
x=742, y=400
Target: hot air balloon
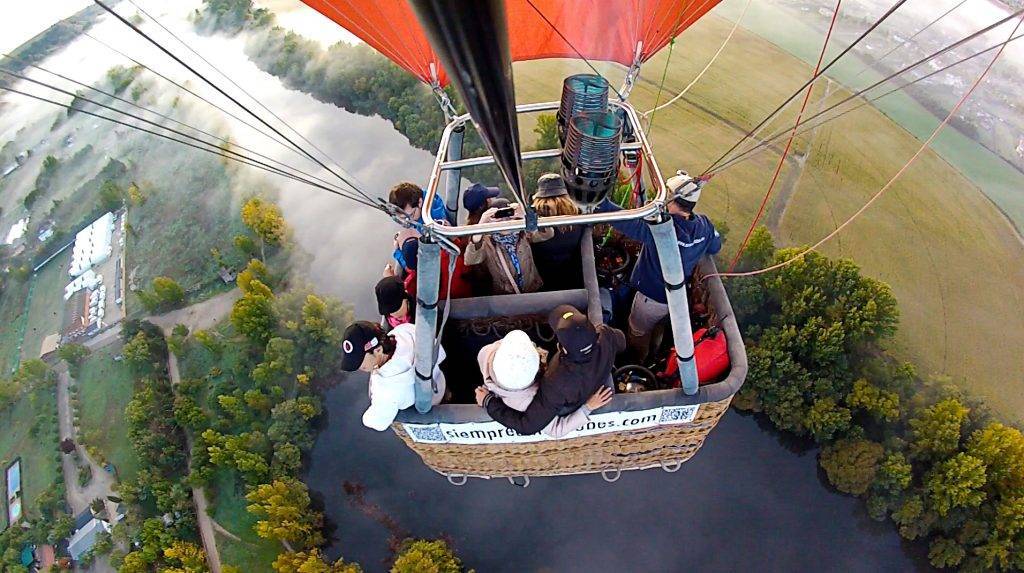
x=472, y=45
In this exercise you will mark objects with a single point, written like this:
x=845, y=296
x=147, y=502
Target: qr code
x=425, y=433
x=678, y=414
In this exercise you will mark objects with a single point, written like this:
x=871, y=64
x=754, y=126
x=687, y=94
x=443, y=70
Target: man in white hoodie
x=509, y=367
x=389, y=358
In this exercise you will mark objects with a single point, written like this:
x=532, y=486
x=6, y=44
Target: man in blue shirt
x=409, y=198
x=696, y=237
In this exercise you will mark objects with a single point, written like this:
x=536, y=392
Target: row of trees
x=941, y=469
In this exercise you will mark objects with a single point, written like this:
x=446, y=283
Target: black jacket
x=565, y=387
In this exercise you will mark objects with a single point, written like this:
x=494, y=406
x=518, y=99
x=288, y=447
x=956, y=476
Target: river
x=747, y=500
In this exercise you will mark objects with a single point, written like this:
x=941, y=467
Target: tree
x=760, y=249
x=935, y=433
x=1002, y=449
x=894, y=473
x=254, y=270
x=111, y=196
x=73, y=354
x=265, y=220
x=32, y=374
x=825, y=419
x=312, y=561
x=167, y=295
x=285, y=514
x=416, y=556
x=277, y=362
x=209, y=340
x=137, y=351
x=881, y=404
x=851, y=465
x=547, y=131
x=253, y=314
x=245, y=245
x=944, y=553
x=135, y=195
x=291, y=422
x=956, y=482
x=186, y=557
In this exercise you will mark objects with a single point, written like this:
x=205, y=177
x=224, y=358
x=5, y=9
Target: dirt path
x=201, y=315
x=791, y=180
x=203, y=519
x=103, y=482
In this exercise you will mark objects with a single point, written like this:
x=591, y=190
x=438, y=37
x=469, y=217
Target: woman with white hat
x=509, y=367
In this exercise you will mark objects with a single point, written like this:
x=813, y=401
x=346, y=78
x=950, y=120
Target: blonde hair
x=552, y=206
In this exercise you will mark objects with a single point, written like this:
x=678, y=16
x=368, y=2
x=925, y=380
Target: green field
x=35, y=444
x=104, y=390
x=227, y=503
x=46, y=310
x=950, y=256
x=12, y=317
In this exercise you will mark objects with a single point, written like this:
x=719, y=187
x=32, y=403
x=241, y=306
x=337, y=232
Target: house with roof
x=87, y=531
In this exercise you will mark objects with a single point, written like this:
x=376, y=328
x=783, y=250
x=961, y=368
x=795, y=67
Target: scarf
x=510, y=243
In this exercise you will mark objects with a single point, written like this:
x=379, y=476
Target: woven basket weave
x=663, y=446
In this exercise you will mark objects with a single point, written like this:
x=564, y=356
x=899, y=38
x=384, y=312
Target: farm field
x=953, y=260
x=249, y=552
x=104, y=389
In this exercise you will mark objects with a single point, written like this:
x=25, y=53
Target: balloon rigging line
x=789, y=143
x=923, y=60
x=249, y=95
x=234, y=100
x=813, y=78
x=154, y=112
x=889, y=184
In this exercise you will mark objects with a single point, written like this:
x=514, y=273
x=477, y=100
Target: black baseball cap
x=360, y=337
x=575, y=333
x=390, y=294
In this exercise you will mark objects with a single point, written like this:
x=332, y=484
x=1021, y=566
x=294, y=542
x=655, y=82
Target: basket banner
x=494, y=433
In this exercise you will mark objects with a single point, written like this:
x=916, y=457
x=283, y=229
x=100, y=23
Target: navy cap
x=360, y=337
x=475, y=198
x=390, y=293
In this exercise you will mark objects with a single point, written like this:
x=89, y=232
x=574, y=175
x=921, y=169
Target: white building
x=92, y=245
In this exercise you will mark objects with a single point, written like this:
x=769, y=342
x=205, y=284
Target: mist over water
x=744, y=502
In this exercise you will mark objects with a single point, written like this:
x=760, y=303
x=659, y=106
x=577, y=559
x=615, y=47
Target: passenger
x=401, y=238
x=409, y=198
x=390, y=360
x=461, y=285
x=580, y=370
x=394, y=303
x=477, y=199
x=507, y=255
x=509, y=367
x=696, y=236
x=558, y=257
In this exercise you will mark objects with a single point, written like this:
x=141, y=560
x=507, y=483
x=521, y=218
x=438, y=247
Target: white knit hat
x=515, y=361
x=684, y=187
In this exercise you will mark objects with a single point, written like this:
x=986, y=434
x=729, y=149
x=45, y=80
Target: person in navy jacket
x=696, y=236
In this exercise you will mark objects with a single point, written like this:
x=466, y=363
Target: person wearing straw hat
x=389, y=358
x=696, y=237
x=510, y=366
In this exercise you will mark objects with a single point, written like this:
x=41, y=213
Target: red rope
x=789, y=143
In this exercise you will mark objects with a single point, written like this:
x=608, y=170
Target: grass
x=228, y=506
x=951, y=258
x=12, y=316
x=46, y=309
x=104, y=390
x=32, y=439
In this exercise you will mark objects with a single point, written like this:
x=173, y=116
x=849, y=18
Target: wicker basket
x=660, y=446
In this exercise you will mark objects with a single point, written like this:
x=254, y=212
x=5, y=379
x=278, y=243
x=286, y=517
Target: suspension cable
x=771, y=115
x=216, y=151
x=573, y=48
x=910, y=39
x=901, y=71
x=706, y=67
x=249, y=95
x=155, y=112
x=189, y=91
x=805, y=127
x=889, y=184
x=234, y=100
x=789, y=143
